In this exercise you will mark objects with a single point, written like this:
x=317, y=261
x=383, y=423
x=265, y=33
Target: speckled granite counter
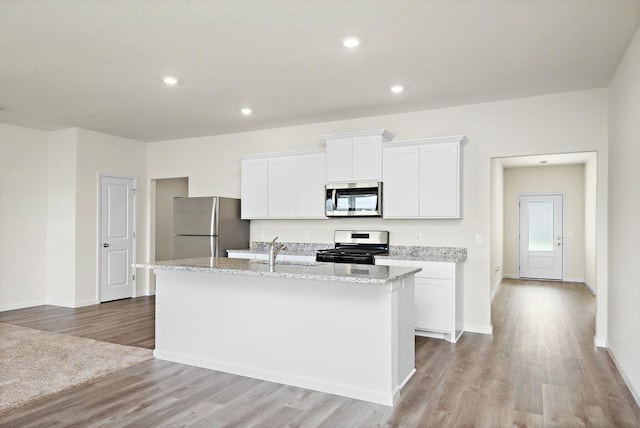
x=396, y=252
x=362, y=274
x=291, y=248
x=426, y=254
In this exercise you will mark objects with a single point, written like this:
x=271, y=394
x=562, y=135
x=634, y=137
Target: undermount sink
x=285, y=263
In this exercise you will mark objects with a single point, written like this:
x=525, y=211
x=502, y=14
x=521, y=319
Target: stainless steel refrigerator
x=207, y=227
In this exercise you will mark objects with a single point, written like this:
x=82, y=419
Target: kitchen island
x=337, y=328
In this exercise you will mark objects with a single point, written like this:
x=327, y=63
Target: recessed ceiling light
x=246, y=111
x=396, y=89
x=351, y=42
x=170, y=80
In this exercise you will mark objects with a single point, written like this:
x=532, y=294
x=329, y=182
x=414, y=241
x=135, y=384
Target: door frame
x=564, y=230
x=134, y=207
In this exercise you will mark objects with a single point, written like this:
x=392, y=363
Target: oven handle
x=334, y=199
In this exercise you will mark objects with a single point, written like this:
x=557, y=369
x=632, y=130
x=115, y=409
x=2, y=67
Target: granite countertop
x=426, y=254
x=361, y=274
x=396, y=252
x=291, y=248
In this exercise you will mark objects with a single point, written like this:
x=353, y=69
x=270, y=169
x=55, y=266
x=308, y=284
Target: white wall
x=566, y=179
x=624, y=224
x=497, y=224
x=102, y=153
x=558, y=123
x=61, y=217
x=23, y=217
x=590, y=210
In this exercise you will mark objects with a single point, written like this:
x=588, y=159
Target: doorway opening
x=163, y=190
x=581, y=179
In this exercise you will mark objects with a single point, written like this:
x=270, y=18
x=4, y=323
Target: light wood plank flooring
x=539, y=368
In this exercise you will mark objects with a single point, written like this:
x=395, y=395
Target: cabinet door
x=339, y=159
x=311, y=181
x=282, y=185
x=401, y=176
x=366, y=158
x=253, y=188
x=434, y=305
x=440, y=180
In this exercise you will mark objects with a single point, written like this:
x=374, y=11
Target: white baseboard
x=22, y=305
x=509, y=276
x=495, y=288
x=569, y=279
x=478, y=328
x=593, y=290
x=627, y=380
x=72, y=303
x=145, y=293
x=599, y=342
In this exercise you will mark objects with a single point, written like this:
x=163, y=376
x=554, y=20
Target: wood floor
x=539, y=368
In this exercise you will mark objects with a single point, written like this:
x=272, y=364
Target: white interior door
x=541, y=237
x=117, y=237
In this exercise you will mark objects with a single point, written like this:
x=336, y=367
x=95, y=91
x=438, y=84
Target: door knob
x=105, y=245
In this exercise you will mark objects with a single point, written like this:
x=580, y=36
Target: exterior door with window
x=117, y=237
x=541, y=237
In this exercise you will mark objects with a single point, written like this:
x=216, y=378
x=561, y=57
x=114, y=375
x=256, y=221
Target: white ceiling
x=98, y=64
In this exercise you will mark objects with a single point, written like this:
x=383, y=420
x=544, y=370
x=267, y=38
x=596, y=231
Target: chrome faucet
x=273, y=252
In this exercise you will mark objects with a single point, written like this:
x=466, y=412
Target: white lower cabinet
x=439, y=303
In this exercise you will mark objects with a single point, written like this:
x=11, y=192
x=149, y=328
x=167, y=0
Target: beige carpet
x=35, y=363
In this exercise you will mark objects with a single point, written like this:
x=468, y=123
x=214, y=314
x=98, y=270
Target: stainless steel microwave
x=363, y=199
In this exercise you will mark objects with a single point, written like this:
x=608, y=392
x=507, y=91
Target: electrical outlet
x=306, y=235
x=418, y=237
x=479, y=238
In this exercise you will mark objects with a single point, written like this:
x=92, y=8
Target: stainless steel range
x=356, y=246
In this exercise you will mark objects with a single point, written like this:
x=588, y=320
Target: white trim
x=382, y=133
x=509, y=276
x=72, y=303
x=101, y=175
x=496, y=286
x=21, y=305
x=625, y=376
x=600, y=342
x=478, y=328
x=573, y=280
x=593, y=290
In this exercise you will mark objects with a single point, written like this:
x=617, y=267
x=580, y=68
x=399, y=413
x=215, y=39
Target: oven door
x=354, y=199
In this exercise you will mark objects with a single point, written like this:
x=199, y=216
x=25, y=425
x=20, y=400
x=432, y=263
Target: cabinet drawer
x=440, y=270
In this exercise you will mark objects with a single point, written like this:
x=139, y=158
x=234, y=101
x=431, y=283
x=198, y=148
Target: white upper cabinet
x=423, y=178
x=355, y=156
x=401, y=181
x=282, y=180
x=283, y=186
x=253, y=188
x=311, y=180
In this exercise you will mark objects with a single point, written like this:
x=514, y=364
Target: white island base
x=350, y=339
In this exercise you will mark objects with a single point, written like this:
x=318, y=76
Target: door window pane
x=540, y=226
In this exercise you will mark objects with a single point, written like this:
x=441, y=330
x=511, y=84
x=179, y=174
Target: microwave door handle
x=334, y=198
